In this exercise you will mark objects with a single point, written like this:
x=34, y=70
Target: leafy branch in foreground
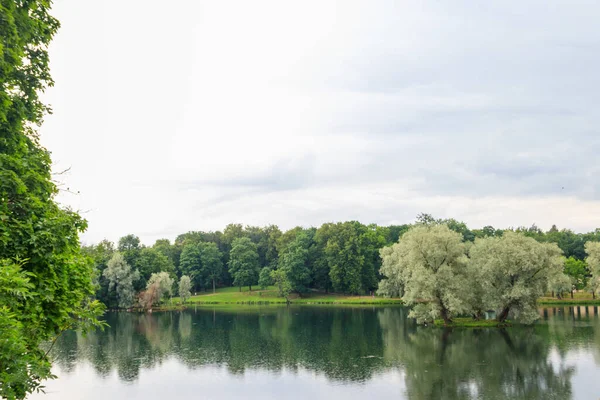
x=46, y=284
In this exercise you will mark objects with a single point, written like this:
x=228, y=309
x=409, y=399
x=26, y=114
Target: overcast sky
x=188, y=115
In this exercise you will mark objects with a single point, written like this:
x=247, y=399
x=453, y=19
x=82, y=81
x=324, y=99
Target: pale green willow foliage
x=430, y=260
x=164, y=282
x=185, y=287
x=560, y=283
x=515, y=271
x=392, y=285
x=121, y=278
x=473, y=289
x=593, y=261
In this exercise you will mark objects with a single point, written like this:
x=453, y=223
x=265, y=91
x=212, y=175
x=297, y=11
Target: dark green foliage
x=264, y=278
x=393, y=233
x=211, y=263
x=372, y=239
x=577, y=271
x=46, y=282
x=294, y=261
x=456, y=226
x=100, y=255
x=150, y=261
x=171, y=251
x=243, y=262
x=190, y=264
x=129, y=246
x=487, y=231
x=345, y=259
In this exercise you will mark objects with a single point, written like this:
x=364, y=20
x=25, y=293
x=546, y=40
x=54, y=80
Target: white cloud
x=199, y=114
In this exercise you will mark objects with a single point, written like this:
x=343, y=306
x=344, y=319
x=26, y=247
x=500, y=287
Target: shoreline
x=343, y=303
x=569, y=302
x=277, y=303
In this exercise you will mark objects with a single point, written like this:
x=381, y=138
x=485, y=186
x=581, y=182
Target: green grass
x=232, y=295
x=471, y=323
x=579, y=298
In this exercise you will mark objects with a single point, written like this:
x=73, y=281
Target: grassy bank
x=579, y=299
x=232, y=295
x=471, y=323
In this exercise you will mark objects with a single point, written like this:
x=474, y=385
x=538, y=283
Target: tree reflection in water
x=344, y=344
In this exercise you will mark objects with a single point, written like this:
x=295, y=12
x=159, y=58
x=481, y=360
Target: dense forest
x=339, y=257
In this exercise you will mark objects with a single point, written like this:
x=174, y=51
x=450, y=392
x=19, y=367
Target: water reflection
x=348, y=346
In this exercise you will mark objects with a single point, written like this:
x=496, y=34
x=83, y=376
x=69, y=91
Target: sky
x=189, y=115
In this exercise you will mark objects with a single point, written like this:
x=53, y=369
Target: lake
x=314, y=352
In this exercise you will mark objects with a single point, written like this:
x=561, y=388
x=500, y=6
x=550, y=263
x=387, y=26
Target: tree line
x=341, y=257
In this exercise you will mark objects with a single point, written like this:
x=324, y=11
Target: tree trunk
x=213, y=285
x=553, y=293
x=504, y=314
x=444, y=313
x=250, y=287
x=594, y=295
x=571, y=293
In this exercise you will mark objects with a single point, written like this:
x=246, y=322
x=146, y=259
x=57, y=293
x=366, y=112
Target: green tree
x=129, y=246
x=568, y=241
x=121, y=279
x=294, y=261
x=320, y=266
x=578, y=272
x=190, y=264
x=273, y=234
x=243, y=262
x=344, y=258
x=100, y=255
x=264, y=278
x=487, y=230
x=185, y=285
x=281, y=281
x=151, y=261
x=211, y=263
x=171, y=251
x=36, y=234
x=286, y=238
x=393, y=233
x=372, y=239
x=516, y=270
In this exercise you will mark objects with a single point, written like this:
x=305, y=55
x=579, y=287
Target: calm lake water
x=326, y=353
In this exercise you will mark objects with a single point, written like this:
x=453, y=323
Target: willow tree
x=185, y=286
x=430, y=262
x=46, y=284
x=592, y=250
x=392, y=284
x=164, y=282
x=121, y=278
x=516, y=270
